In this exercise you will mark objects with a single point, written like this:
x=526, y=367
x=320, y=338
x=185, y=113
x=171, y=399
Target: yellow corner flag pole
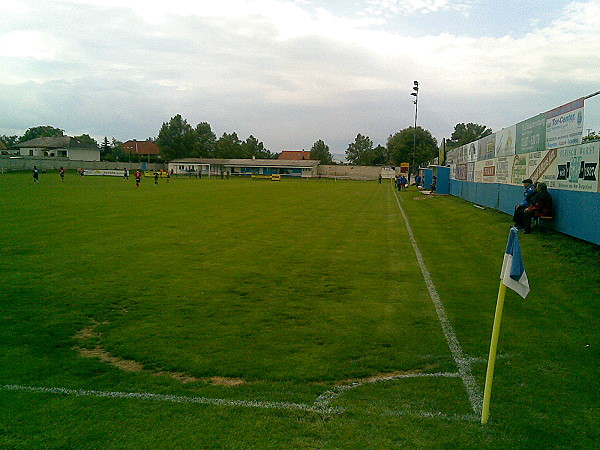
x=485, y=412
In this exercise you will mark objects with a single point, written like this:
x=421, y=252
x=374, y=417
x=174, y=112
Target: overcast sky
x=291, y=72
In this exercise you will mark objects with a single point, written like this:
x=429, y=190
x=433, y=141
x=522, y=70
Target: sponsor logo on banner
x=531, y=135
x=505, y=141
x=544, y=165
x=503, y=169
x=519, y=169
x=460, y=172
x=577, y=167
x=489, y=171
x=564, y=125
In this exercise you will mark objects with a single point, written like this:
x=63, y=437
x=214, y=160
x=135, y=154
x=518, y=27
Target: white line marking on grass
x=326, y=397
x=462, y=362
x=177, y=399
x=433, y=415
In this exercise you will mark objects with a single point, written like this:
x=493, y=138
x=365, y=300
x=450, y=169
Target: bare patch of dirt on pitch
x=224, y=381
x=90, y=334
x=127, y=365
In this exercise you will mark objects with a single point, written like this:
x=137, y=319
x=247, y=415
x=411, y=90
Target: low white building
x=59, y=146
x=211, y=166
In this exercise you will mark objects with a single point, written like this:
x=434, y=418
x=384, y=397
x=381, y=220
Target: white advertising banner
x=564, y=125
x=104, y=172
x=503, y=169
x=505, y=141
x=577, y=167
x=518, y=171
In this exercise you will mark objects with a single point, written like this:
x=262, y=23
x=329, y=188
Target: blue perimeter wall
x=575, y=213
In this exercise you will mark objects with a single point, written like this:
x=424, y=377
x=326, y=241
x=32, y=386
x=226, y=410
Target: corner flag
x=513, y=274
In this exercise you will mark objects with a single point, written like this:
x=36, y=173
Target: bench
x=540, y=221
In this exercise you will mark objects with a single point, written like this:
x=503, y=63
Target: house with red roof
x=293, y=155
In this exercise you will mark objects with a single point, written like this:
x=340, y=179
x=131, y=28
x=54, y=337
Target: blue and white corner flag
x=513, y=273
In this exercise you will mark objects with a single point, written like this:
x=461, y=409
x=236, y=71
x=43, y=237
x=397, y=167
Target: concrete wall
x=575, y=213
x=352, y=172
x=48, y=163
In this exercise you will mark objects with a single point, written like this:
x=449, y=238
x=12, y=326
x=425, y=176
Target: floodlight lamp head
x=413, y=93
x=416, y=83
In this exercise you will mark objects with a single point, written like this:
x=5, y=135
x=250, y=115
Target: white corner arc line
x=326, y=397
x=462, y=362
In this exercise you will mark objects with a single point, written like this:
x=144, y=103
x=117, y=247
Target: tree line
x=178, y=139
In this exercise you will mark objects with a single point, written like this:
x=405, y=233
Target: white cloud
x=28, y=44
x=270, y=67
x=405, y=7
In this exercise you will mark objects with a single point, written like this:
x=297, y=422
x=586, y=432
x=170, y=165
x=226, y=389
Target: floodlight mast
x=416, y=102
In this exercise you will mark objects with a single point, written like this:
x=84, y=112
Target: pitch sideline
x=462, y=362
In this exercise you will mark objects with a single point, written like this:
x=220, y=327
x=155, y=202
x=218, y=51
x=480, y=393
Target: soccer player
x=61, y=171
x=36, y=174
x=138, y=178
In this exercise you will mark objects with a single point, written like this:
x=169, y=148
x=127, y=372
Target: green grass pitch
x=292, y=314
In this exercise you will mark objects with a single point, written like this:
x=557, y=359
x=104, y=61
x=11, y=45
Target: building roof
x=55, y=142
x=293, y=155
x=141, y=147
x=312, y=163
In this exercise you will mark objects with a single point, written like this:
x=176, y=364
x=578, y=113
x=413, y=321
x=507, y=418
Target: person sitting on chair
x=519, y=215
x=541, y=206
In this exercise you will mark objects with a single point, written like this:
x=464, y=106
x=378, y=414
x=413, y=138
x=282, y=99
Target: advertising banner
x=577, y=167
x=505, y=141
x=564, y=125
x=487, y=147
x=478, y=174
x=518, y=170
x=485, y=171
x=472, y=152
x=471, y=171
x=489, y=171
x=531, y=135
x=103, y=172
x=462, y=154
x=503, y=166
x=451, y=157
x=460, y=172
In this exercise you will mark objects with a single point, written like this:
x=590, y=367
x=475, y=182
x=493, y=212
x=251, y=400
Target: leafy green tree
x=229, y=146
x=41, y=131
x=379, y=155
x=9, y=141
x=105, y=147
x=320, y=151
x=465, y=133
x=112, y=150
x=359, y=152
x=85, y=140
x=253, y=147
x=176, y=139
x=205, y=141
x=400, y=147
